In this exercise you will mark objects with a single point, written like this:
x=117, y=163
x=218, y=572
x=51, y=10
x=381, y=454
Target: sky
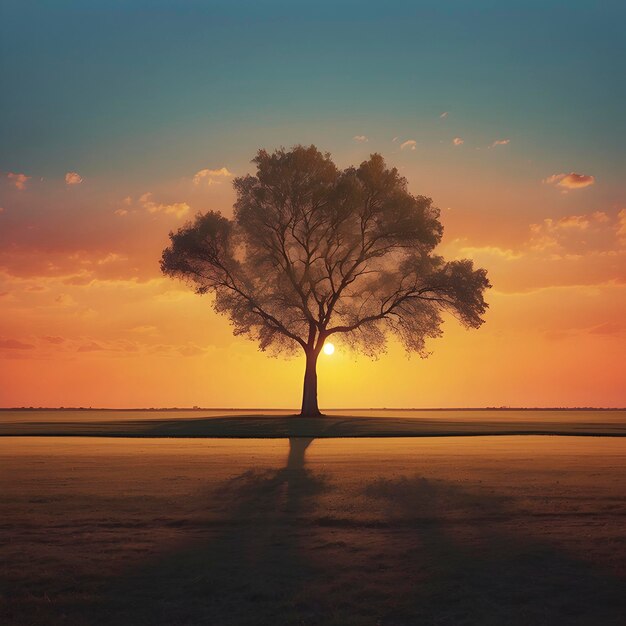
x=121, y=120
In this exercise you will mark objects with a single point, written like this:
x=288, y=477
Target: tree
x=313, y=251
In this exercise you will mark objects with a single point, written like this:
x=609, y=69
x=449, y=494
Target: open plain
x=397, y=530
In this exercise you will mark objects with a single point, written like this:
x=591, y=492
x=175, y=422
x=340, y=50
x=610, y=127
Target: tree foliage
x=313, y=251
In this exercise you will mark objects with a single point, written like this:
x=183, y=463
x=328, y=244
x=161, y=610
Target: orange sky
x=87, y=320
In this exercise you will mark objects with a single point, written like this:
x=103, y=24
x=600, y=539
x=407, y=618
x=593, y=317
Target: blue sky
x=151, y=88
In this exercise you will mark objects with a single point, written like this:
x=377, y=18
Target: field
x=397, y=530
x=261, y=424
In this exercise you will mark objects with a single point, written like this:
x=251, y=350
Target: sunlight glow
x=329, y=348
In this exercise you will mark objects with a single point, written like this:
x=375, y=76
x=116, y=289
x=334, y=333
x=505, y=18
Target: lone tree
x=313, y=251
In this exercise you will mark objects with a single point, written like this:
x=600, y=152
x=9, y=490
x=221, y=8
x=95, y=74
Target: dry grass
x=384, y=423
x=479, y=530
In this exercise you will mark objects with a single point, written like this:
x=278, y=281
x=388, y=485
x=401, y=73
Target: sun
x=329, y=348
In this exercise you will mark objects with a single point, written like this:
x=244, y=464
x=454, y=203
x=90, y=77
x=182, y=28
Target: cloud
x=53, y=339
x=576, y=235
x=491, y=251
x=64, y=299
x=577, y=249
x=360, y=138
x=444, y=115
x=73, y=178
x=500, y=142
x=570, y=181
x=111, y=257
x=92, y=346
x=457, y=141
x=146, y=328
x=19, y=180
x=127, y=202
x=191, y=349
x=210, y=175
x=607, y=328
x=409, y=144
x=56, y=238
x=177, y=208
x=14, y=344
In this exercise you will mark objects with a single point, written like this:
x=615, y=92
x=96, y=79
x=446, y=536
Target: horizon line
x=296, y=411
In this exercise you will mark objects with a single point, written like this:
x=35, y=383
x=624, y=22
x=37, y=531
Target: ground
x=381, y=423
x=429, y=530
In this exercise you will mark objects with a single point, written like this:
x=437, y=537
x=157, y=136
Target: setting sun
x=329, y=348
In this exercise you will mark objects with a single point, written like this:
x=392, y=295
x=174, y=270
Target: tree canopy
x=313, y=251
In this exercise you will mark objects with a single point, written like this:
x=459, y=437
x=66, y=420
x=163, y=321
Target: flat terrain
x=429, y=530
x=382, y=423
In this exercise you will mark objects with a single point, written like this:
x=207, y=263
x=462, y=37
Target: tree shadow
x=245, y=568
x=414, y=551
x=462, y=563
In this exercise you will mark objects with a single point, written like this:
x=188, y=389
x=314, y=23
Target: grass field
x=258, y=424
x=428, y=530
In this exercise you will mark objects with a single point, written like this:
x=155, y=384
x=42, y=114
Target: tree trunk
x=309, y=394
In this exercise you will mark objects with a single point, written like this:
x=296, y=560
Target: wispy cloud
x=494, y=251
x=54, y=339
x=577, y=249
x=177, y=208
x=457, y=141
x=607, y=328
x=14, y=344
x=500, y=142
x=65, y=300
x=73, y=178
x=408, y=145
x=91, y=346
x=127, y=202
x=19, y=180
x=570, y=181
x=208, y=176
x=576, y=234
x=571, y=236
x=360, y=138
